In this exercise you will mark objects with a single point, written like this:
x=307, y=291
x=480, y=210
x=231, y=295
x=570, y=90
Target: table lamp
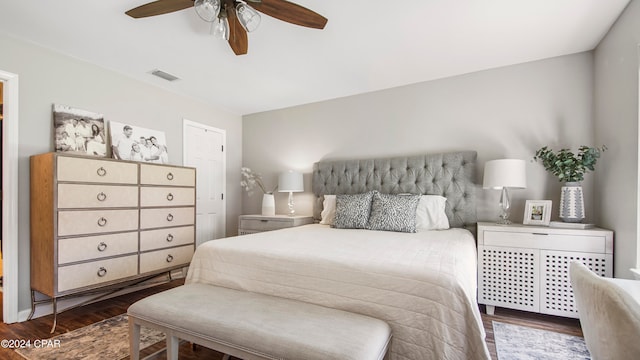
x=290, y=182
x=503, y=174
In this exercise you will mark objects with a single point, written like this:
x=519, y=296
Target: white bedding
x=423, y=284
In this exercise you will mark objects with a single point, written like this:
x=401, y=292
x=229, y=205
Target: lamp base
x=292, y=211
x=505, y=205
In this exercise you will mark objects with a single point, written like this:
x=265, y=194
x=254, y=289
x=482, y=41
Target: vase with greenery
x=570, y=168
x=251, y=180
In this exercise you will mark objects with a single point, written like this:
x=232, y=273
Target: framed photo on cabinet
x=135, y=143
x=78, y=131
x=537, y=212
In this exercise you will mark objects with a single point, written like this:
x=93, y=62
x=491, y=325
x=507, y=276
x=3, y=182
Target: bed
x=422, y=283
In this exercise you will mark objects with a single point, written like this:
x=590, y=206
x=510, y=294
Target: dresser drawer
x=96, y=221
x=155, y=218
x=95, y=247
x=167, y=175
x=96, y=196
x=162, y=238
x=546, y=240
x=92, y=170
x=166, y=258
x=264, y=224
x=167, y=196
x=96, y=272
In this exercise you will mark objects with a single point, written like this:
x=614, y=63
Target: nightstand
x=250, y=224
x=527, y=267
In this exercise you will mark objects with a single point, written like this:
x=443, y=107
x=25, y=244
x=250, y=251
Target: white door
x=204, y=150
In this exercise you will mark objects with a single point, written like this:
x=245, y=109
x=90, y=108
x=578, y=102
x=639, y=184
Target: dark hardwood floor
x=82, y=316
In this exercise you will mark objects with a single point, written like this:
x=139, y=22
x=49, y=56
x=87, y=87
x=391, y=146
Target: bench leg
x=173, y=345
x=134, y=340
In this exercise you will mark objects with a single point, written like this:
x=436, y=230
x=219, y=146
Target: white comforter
x=422, y=284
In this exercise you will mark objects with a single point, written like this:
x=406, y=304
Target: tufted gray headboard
x=447, y=174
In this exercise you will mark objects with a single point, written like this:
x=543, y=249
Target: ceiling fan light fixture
x=207, y=10
x=248, y=17
x=220, y=27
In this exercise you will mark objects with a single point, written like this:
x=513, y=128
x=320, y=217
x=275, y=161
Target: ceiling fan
x=232, y=19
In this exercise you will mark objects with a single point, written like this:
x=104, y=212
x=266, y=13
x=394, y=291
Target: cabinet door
x=508, y=277
x=556, y=294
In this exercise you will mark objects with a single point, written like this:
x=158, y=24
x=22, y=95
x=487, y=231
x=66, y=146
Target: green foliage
x=567, y=166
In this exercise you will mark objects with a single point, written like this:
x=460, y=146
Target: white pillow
x=430, y=214
x=328, y=214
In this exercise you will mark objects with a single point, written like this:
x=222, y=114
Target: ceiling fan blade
x=159, y=7
x=237, y=35
x=291, y=13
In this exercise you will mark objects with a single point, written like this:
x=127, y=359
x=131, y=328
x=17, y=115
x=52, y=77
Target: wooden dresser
x=97, y=222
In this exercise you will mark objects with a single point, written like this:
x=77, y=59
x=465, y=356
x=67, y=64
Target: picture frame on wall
x=78, y=131
x=537, y=212
x=135, y=143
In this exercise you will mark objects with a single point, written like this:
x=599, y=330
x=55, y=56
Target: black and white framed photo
x=537, y=212
x=79, y=131
x=135, y=143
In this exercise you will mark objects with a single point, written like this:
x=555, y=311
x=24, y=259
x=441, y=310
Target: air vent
x=164, y=75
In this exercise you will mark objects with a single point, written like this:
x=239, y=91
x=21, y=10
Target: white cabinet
x=527, y=267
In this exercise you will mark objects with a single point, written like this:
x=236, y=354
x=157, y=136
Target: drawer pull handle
x=262, y=220
x=102, y=246
x=102, y=196
x=543, y=234
x=169, y=258
x=102, y=272
x=101, y=171
x=170, y=197
x=169, y=217
x=169, y=238
x=102, y=221
x=170, y=176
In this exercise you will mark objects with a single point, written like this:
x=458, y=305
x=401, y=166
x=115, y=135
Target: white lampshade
x=505, y=173
x=290, y=181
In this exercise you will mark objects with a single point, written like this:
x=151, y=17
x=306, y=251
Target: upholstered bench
x=255, y=326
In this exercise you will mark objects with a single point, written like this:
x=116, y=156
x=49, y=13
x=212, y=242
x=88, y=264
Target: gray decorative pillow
x=393, y=212
x=352, y=211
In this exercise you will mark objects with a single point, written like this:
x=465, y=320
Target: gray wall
x=47, y=77
x=506, y=112
x=616, y=124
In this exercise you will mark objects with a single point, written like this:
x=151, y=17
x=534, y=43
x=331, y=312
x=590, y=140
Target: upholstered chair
x=609, y=311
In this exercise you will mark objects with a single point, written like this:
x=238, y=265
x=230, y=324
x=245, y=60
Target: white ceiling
x=366, y=45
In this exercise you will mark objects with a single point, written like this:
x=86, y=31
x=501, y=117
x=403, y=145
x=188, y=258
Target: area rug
x=108, y=339
x=515, y=342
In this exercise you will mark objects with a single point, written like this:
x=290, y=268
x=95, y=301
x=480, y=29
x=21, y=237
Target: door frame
x=10, y=197
x=185, y=123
